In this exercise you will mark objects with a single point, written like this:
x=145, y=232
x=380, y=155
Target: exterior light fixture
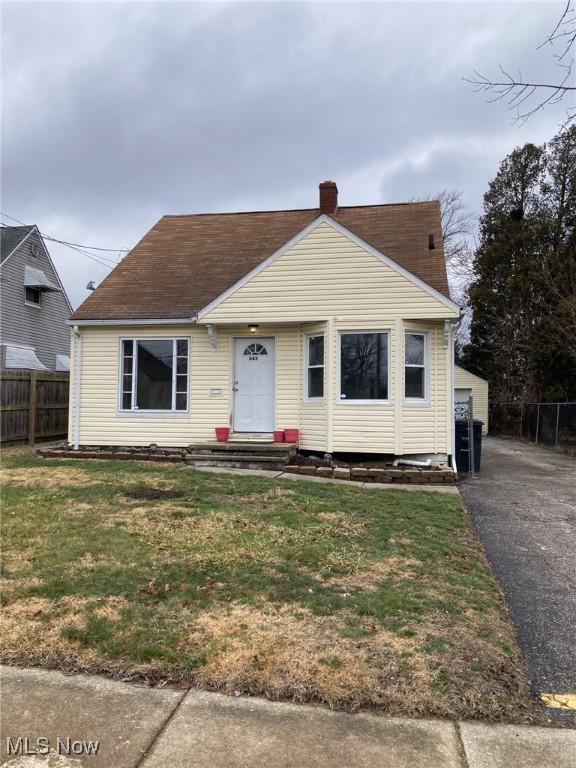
x=253, y=327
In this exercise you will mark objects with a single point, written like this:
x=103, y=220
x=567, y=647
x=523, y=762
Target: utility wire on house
x=104, y=261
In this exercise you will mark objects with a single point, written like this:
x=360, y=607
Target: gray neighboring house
x=33, y=331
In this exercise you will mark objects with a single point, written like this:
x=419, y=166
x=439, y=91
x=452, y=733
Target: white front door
x=253, y=385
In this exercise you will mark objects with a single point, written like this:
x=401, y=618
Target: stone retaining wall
x=125, y=454
x=177, y=456
x=376, y=475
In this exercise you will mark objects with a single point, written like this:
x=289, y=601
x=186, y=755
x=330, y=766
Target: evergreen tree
x=523, y=297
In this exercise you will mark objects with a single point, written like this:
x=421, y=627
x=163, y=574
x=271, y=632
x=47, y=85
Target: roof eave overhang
x=132, y=321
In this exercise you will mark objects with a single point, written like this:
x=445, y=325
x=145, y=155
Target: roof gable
x=186, y=262
x=34, y=257
x=366, y=247
x=10, y=239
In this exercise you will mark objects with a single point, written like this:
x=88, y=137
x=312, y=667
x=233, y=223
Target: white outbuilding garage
x=468, y=385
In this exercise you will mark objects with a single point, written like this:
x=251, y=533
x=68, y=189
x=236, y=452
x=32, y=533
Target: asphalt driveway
x=524, y=506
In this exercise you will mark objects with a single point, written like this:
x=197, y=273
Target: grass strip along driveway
x=302, y=591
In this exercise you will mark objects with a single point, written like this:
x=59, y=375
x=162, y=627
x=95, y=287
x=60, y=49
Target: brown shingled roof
x=185, y=262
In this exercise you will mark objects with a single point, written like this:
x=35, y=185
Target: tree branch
x=519, y=92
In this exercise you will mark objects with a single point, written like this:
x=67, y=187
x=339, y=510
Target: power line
x=94, y=247
x=102, y=260
x=84, y=253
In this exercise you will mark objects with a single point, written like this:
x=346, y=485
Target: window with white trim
x=154, y=375
x=315, y=367
x=415, y=366
x=364, y=366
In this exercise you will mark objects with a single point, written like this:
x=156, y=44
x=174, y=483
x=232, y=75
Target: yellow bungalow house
x=336, y=321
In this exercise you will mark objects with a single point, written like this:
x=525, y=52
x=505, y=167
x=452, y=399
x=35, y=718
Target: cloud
x=118, y=113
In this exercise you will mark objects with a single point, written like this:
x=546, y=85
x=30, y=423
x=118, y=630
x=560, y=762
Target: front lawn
x=303, y=591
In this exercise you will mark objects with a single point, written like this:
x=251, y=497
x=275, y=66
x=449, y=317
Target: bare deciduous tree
x=458, y=224
x=526, y=97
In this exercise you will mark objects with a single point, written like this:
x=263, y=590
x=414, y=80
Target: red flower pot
x=291, y=435
x=279, y=435
x=222, y=434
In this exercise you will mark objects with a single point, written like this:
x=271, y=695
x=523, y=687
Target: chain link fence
x=552, y=424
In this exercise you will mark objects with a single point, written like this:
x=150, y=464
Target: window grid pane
x=127, y=377
x=315, y=377
x=154, y=376
x=364, y=366
x=181, y=396
x=415, y=366
x=415, y=382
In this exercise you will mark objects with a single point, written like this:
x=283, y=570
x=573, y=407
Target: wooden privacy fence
x=33, y=406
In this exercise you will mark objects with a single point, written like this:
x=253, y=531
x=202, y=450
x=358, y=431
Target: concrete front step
x=236, y=462
x=256, y=451
x=261, y=449
x=226, y=458
x=246, y=455
x=251, y=437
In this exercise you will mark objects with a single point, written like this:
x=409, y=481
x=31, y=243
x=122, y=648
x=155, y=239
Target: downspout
x=77, y=382
x=450, y=327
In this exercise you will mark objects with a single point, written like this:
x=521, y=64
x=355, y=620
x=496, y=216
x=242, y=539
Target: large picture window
x=154, y=375
x=415, y=366
x=314, y=367
x=364, y=366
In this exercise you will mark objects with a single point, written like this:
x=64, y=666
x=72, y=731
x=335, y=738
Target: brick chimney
x=328, y=197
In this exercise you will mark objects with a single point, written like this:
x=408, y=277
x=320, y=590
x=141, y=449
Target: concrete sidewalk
x=160, y=728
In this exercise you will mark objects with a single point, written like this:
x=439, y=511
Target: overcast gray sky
x=115, y=114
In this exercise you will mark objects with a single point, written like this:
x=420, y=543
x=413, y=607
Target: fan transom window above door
x=255, y=349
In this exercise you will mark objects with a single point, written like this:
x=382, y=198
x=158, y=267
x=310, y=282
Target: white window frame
x=134, y=411
x=425, y=400
x=307, y=397
x=33, y=303
x=348, y=331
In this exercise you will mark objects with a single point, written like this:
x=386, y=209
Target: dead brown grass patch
x=34, y=629
x=369, y=578
x=8, y=587
x=281, y=652
x=288, y=652
x=47, y=477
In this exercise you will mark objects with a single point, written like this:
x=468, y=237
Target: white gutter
x=77, y=383
x=120, y=321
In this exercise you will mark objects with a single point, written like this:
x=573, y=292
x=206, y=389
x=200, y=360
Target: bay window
x=315, y=367
x=364, y=366
x=415, y=366
x=154, y=375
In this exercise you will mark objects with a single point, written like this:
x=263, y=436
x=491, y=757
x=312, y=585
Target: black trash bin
x=462, y=445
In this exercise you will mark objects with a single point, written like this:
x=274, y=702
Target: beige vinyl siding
x=313, y=414
x=101, y=423
x=325, y=282
x=463, y=379
x=424, y=423
x=364, y=427
x=327, y=274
